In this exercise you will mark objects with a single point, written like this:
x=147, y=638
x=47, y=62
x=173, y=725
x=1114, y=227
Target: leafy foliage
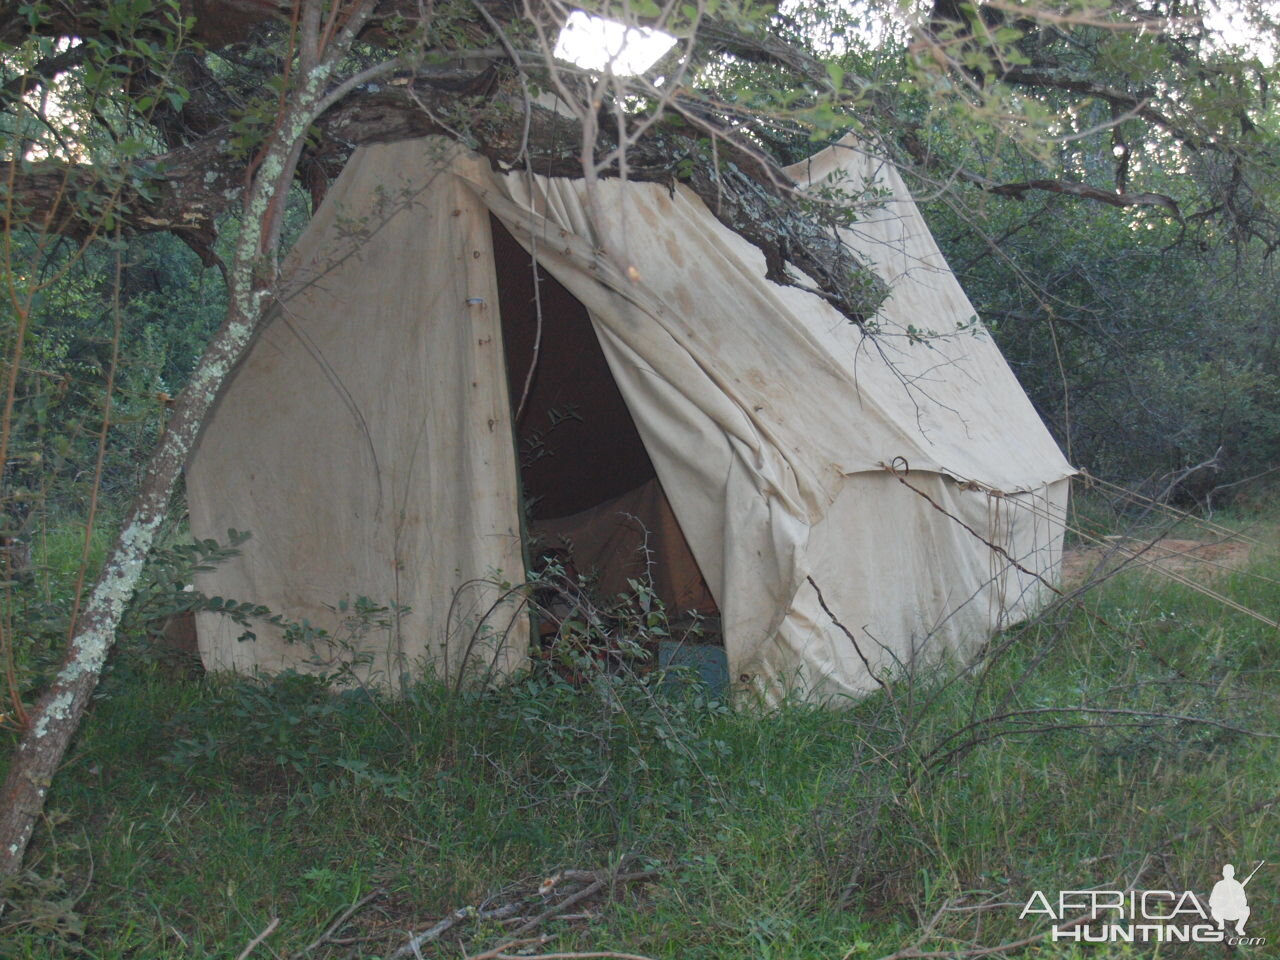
x=167, y=309
x=1144, y=357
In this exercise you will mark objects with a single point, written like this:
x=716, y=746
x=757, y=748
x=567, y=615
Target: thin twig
x=596, y=884
x=338, y=923
x=537, y=337
x=899, y=475
x=500, y=953
x=845, y=630
x=413, y=947
x=590, y=890
x=936, y=757
x=96, y=490
x=253, y=944
x=1208, y=499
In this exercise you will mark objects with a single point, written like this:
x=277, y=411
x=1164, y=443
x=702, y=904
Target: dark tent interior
x=591, y=492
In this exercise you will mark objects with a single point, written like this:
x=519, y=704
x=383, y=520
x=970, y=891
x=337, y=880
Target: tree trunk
x=56, y=717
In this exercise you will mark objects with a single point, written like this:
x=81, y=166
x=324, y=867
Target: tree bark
x=56, y=717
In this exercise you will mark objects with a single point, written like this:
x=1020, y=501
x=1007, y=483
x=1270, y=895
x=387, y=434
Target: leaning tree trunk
x=55, y=718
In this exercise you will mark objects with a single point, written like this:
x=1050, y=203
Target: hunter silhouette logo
x=1228, y=900
x=1150, y=916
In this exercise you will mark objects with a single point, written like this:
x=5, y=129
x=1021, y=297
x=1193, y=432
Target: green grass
x=56, y=550
x=191, y=812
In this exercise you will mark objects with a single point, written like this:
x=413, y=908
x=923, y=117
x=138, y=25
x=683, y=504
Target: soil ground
x=1197, y=558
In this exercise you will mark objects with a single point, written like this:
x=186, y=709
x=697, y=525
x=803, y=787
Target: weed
x=194, y=810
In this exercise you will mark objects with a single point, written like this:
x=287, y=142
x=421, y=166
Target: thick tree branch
x=186, y=190
x=43, y=72
x=1138, y=103
x=1074, y=188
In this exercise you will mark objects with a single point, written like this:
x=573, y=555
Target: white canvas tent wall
x=366, y=440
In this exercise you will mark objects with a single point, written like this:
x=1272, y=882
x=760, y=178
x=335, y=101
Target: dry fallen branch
x=501, y=953
x=339, y=922
x=256, y=941
x=593, y=887
x=592, y=882
x=414, y=947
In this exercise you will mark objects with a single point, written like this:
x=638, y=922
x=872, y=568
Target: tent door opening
x=592, y=499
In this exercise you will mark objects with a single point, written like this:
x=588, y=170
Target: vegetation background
x=1102, y=176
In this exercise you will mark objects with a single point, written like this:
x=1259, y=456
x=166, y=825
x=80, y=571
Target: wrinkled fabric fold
x=903, y=476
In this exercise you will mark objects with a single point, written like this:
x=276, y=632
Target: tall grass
x=191, y=812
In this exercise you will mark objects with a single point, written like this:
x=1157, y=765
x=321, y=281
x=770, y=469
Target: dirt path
x=1196, y=558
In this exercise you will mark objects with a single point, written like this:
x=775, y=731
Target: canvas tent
x=765, y=448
